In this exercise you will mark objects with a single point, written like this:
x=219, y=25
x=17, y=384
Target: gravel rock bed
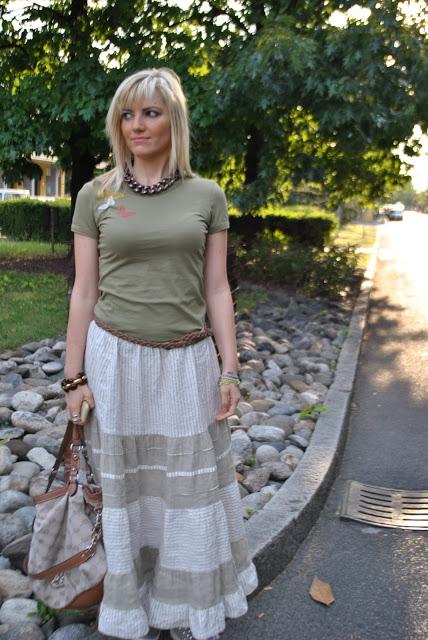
x=288, y=347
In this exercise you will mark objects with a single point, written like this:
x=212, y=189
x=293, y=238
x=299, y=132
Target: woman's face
x=146, y=128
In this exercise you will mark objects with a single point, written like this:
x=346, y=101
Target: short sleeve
x=83, y=217
x=219, y=214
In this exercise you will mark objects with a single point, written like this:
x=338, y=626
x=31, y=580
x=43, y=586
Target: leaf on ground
x=260, y=615
x=267, y=588
x=239, y=476
x=321, y=592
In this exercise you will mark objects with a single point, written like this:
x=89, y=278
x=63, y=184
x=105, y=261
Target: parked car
x=394, y=215
x=5, y=194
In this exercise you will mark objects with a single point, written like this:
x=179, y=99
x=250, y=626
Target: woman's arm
x=221, y=314
x=83, y=299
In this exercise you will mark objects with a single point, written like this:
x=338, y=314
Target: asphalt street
x=379, y=576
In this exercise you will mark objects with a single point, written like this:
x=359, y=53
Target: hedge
x=29, y=219
x=313, y=229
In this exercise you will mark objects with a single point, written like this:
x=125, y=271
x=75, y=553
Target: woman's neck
x=150, y=172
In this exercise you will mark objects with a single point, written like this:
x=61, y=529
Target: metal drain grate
x=384, y=507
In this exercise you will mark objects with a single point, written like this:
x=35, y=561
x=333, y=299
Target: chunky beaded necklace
x=149, y=189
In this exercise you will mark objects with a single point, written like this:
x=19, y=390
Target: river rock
x=5, y=460
x=256, y=479
x=262, y=404
x=21, y=631
x=266, y=453
x=14, y=585
x=40, y=440
x=241, y=444
x=12, y=500
x=27, y=401
x=309, y=398
x=243, y=407
x=13, y=378
x=255, y=500
x=257, y=365
x=39, y=483
x=253, y=417
x=282, y=408
x=293, y=450
x=304, y=432
x=4, y=564
x=53, y=367
x=298, y=440
x=18, y=447
x=263, y=433
x=43, y=458
x=5, y=414
x=7, y=367
x=17, y=550
x=6, y=399
x=278, y=470
x=31, y=346
x=290, y=459
x=264, y=343
x=71, y=632
x=27, y=515
x=11, y=527
x=61, y=419
x=43, y=354
x=16, y=611
x=30, y=422
x=21, y=475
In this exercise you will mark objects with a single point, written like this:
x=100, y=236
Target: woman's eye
x=151, y=113
x=126, y=115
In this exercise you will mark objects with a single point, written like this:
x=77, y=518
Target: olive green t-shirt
x=151, y=254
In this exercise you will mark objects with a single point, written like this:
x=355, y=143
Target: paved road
x=379, y=576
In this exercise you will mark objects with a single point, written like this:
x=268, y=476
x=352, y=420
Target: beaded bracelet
x=229, y=378
x=69, y=384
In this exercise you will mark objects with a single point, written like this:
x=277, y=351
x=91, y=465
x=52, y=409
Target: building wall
x=52, y=182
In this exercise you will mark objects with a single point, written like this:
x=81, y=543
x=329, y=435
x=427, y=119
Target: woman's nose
x=138, y=122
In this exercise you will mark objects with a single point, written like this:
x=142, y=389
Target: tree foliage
x=60, y=65
x=295, y=99
x=279, y=96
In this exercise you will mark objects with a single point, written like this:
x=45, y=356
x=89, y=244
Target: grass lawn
x=361, y=235
x=14, y=249
x=32, y=306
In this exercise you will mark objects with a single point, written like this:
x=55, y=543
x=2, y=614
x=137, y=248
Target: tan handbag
x=67, y=561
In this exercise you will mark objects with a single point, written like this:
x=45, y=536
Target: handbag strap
x=72, y=443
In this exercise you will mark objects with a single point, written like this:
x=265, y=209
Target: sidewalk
x=379, y=576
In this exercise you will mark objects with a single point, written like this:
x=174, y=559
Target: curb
x=275, y=533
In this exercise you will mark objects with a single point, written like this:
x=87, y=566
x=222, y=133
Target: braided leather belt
x=183, y=341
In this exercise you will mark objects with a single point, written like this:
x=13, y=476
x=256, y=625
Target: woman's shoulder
x=203, y=185
x=99, y=186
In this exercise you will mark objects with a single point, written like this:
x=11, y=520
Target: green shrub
x=328, y=272
x=314, y=228
x=29, y=219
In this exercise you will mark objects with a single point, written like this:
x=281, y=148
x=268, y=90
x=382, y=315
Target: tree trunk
x=252, y=155
x=82, y=170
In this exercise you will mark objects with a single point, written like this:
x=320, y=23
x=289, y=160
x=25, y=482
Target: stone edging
x=276, y=531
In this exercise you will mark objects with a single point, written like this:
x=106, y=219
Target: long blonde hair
x=134, y=89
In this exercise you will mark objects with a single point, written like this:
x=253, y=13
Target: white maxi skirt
x=173, y=531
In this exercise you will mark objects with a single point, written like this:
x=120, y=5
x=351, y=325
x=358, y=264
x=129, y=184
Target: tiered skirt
x=173, y=531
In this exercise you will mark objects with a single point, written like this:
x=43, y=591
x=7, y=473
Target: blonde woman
x=150, y=253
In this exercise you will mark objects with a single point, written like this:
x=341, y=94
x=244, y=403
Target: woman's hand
x=229, y=396
x=75, y=397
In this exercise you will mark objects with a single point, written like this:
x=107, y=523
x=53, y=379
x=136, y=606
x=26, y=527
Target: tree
x=60, y=65
x=293, y=98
